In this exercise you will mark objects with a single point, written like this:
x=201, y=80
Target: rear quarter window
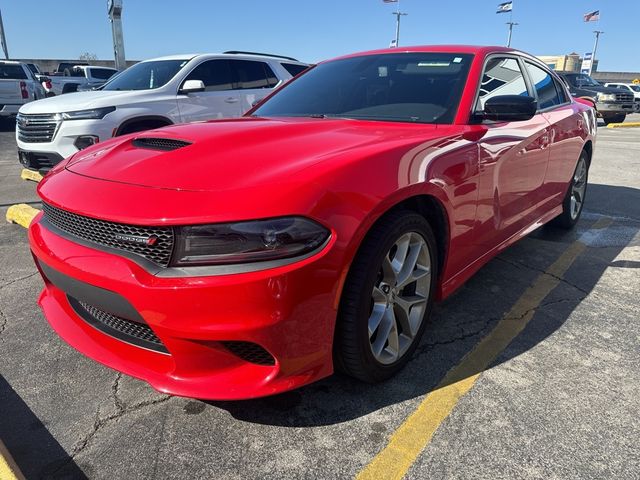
x=294, y=69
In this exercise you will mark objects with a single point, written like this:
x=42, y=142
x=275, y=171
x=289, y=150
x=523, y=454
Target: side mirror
x=192, y=86
x=509, y=108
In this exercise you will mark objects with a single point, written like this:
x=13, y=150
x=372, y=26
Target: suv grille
x=130, y=238
x=155, y=143
x=624, y=97
x=37, y=128
x=135, y=333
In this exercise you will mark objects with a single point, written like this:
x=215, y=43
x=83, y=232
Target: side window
x=562, y=91
x=545, y=88
x=502, y=76
x=293, y=68
x=215, y=74
x=250, y=74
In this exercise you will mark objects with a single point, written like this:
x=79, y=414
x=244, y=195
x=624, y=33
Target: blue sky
x=315, y=30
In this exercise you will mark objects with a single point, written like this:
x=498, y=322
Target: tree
x=87, y=56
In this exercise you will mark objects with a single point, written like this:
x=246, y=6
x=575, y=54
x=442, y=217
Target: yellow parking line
x=624, y=125
x=22, y=214
x=27, y=174
x=416, y=431
x=8, y=468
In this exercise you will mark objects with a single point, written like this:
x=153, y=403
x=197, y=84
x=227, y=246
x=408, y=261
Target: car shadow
x=461, y=321
x=25, y=436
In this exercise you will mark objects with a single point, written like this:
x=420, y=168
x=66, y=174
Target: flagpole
x=511, y=25
x=595, y=48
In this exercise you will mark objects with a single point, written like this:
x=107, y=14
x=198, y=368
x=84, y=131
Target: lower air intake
x=128, y=331
x=250, y=352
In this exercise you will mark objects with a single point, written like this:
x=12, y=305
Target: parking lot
x=530, y=370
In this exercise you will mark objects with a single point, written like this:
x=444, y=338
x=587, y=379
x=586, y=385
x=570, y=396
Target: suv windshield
x=401, y=87
x=146, y=75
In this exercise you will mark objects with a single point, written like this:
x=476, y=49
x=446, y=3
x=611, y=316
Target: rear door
x=565, y=126
x=254, y=79
x=219, y=99
x=513, y=158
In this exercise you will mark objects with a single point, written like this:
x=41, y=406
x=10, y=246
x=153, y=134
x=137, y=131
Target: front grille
x=250, y=352
x=155, y=143
x=128, y=331
x=129, y=238
x=37, y=128
x=624, y=97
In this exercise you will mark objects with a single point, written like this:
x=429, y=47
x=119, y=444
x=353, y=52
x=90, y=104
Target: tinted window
x=635, y=88
x=502, y=76
x=402, y=87
x=33, y=68
x=544, y=86
x=12, y=72
x=251, y=74
x=216, y=75
x=294, y=69
x=146, y=75
x=562, y=91
x=102, y=73
x=581, y=80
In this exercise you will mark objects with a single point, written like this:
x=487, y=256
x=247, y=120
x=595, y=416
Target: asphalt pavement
x=561, y=400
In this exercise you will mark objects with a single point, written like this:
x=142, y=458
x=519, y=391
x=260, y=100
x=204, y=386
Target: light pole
x=511, y=25
x=595, y=47
x=398, y=14
x=3, y=39
x=114, y=8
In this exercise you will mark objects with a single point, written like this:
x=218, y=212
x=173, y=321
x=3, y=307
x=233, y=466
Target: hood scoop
x=158, y=143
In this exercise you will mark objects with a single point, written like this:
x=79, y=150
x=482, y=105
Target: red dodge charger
x=240, y=258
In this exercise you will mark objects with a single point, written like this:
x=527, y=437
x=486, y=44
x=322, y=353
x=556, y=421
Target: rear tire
x=387, y=298
x=576, y=193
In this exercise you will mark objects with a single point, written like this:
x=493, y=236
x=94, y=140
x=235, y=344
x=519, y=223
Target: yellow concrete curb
x=8, y=468
x=22, y=214
x=27, y=174
x=624, y=125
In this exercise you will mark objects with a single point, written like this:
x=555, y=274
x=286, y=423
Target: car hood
x=242, y=153
x=70, y=102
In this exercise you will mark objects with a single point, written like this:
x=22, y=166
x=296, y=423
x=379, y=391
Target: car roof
x=188, y=57
x=462, y=49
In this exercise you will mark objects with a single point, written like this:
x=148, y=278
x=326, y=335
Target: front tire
x=387, y=297
x=574, y=199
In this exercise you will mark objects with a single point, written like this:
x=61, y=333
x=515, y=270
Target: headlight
x=606, y=97
x=93, y=114
x=244, y=242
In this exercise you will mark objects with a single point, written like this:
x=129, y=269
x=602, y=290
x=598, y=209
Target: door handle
x=231, y=100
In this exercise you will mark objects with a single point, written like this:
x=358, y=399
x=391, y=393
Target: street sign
x=636, y=81
x=586, y=63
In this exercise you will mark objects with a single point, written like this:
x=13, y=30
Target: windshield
x=146, y=75
x=583, y=80
x=401, y=87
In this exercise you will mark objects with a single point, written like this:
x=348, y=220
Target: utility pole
x=595, y=47
x=115, y=16
x=3, y=39
x=511, y=25
x=398, y=14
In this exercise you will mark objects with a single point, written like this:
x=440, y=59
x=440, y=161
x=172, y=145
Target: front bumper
x=615, y=108
x=63, y=142
x=288, y=311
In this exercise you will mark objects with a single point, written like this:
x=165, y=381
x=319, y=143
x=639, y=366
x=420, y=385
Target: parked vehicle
x=612, y=104
x=78, y=76
x=149, y=94
x=245, y=257
x=64, y=68
x=628, y=87
x=18, y=86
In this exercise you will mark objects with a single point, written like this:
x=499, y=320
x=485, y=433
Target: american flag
x=592, y=16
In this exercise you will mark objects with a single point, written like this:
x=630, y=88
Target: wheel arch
x=588, y=147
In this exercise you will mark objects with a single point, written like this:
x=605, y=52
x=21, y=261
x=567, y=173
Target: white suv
x=150, y=94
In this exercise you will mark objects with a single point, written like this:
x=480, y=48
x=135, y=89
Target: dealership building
x=573, y=63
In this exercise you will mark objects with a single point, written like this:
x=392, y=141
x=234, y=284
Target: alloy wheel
x=399, y=298
x=578, y=188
